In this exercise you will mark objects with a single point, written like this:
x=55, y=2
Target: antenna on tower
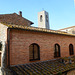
x=74, y=2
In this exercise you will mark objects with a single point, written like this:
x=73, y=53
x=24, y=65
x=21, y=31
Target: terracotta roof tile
x=43, y=68
x=14, y=19
x=38, y=29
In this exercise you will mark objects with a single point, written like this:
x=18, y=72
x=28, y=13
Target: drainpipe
x=8, y=40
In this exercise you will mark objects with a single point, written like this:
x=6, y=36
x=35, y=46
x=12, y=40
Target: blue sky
x=61, y=12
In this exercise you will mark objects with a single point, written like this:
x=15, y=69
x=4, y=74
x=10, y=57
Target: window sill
x=34, y=59
x=57, y=57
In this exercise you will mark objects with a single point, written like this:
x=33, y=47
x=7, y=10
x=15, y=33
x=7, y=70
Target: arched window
x=57, y=50
x=0, y=46
x=41, y=18
x=71, y=51
x=34, y=52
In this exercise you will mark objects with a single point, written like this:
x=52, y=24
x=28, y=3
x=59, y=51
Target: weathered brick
x=21, y=40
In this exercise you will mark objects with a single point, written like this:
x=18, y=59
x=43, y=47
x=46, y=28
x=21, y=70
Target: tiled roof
x=14, y=19
x=50, y=67
x=38, y=29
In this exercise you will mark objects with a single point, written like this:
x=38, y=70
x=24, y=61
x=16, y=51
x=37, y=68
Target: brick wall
x=20, y=41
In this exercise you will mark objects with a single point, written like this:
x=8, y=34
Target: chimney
x=20, y=13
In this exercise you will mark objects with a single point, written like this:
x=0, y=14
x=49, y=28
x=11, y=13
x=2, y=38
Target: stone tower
x=43, y=19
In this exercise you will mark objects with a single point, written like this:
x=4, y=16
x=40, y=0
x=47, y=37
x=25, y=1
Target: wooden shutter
x=35, y=52
x=31, y=52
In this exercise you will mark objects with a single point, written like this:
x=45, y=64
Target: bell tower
x=43, y=20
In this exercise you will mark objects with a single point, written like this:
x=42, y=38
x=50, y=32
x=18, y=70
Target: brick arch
x=71, y=49
x=57, y=50
x=34, y=52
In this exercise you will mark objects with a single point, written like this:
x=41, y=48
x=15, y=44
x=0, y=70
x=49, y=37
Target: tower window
x=34, y=53
x=57, y=50
x=73, y=32
x=71, y=51
x=46, y=18
x=41, y=18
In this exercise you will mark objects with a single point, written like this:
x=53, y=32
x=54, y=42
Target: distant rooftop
x=67, y=28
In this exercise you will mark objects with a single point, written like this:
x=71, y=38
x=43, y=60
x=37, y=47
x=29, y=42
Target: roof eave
x=44, y=31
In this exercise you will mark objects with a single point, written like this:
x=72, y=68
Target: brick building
x=32, y=50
